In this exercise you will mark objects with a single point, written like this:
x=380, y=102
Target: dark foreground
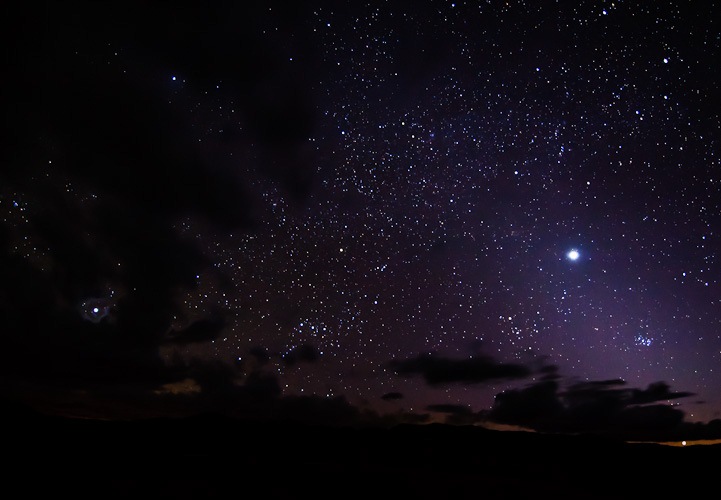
x=212, y=457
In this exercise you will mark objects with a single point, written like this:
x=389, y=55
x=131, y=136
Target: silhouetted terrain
x=217, y=457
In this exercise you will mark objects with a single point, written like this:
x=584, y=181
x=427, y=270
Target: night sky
x=426, y=211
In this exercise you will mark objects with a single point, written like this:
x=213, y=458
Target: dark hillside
x=217, y=457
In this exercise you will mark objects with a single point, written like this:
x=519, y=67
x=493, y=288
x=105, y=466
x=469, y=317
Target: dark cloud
x=605, y=406
x=437, y=370
x=260, y=354
x=532, y=406
x=208, y=388
x=202, y=330
x=392, y=396
x=658, y=391
x=305, y=353
x=548, y=372
x=258, y=396
x=449, y=409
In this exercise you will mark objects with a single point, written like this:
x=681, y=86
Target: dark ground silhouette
x=210, y=456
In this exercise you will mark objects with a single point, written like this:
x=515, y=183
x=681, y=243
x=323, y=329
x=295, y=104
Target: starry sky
x=434, y=211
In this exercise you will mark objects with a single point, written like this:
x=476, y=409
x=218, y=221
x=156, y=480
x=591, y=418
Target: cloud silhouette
x=202, y=330
x=437, y=370
x=451, y=409
x=549, y=404
x=605, y=406
x=303, y=353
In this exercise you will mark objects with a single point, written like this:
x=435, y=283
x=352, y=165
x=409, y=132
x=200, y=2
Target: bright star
x=96, y=308
x=573, y=255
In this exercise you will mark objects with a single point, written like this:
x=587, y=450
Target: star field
x=533, y=181
x=457, y=164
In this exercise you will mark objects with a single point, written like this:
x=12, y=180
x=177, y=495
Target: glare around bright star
x=573, y=255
